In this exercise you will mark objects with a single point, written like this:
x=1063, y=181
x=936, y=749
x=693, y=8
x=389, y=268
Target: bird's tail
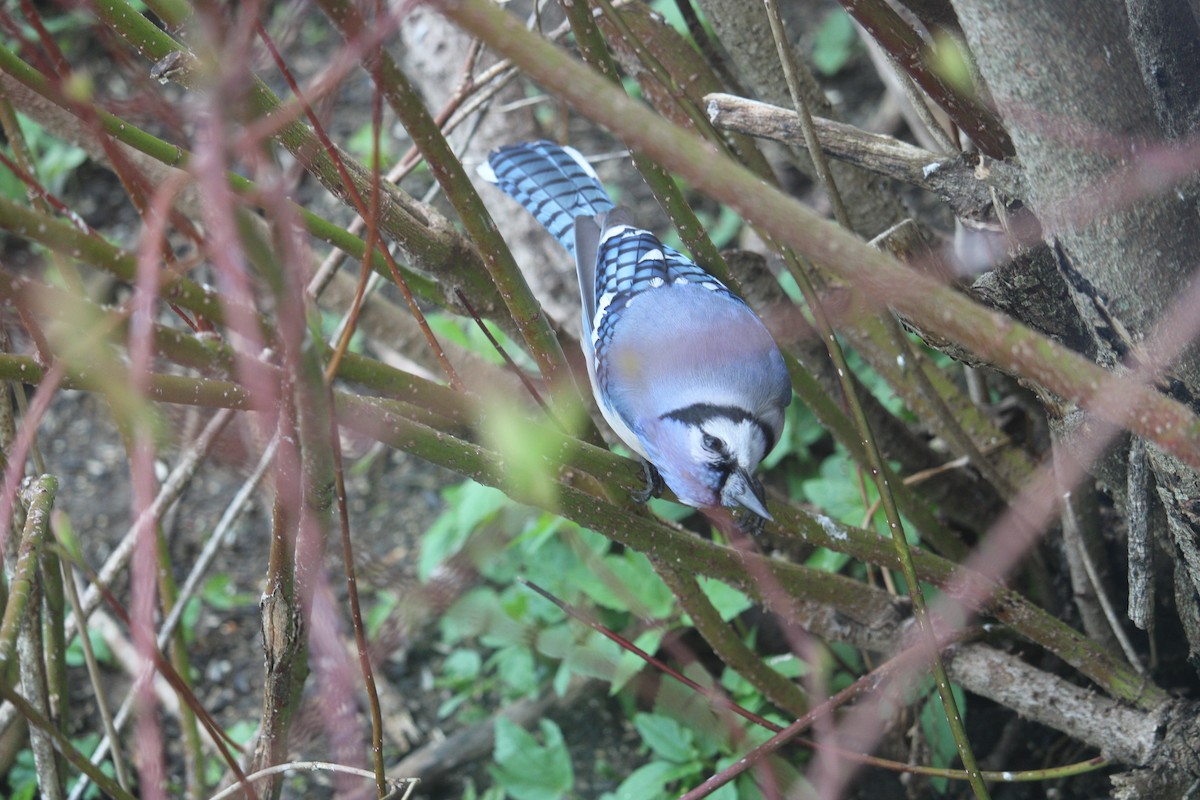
x=553, y=182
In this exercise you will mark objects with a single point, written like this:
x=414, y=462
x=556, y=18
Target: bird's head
x=708, y=456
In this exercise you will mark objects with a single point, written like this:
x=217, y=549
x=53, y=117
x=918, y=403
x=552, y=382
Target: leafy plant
x=22, y=779
x=55, y=161
x=528, y=769
x=835, y=43
x=100, y=648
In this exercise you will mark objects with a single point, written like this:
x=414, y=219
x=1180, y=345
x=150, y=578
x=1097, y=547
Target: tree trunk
x=1068, y=80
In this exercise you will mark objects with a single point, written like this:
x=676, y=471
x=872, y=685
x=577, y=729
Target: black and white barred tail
x=554, y=183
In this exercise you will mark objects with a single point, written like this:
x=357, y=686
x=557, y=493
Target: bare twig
x=963, y=180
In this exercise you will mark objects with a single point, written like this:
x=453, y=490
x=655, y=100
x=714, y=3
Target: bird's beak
x=751, y=495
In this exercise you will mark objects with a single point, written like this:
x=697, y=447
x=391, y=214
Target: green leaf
x=724, y=229
x=562, y=679
x=529, y=446
x=694, y=711
x=462, y=666
x=625, y=582
x=446, y=709
x=362, y=145
x=788, y=780
x=472, y=615
x=516, y=669
x=788, y=665
x=835, y=489
x=75, y=656
x=936, y=729
x=65, y=532
x=827, y=560
x=491, y=793
x=650, y=781
x=54, y=161
x=801, y=430
x=948, y=60
x=466, y=333
x=597, y=658
x=835, y=43
x=381, y=609
x=331, y=321
x=23, y=775
x=737, y=790
x=668, y=510
x=730, y=602
x=468, y=505
x=584, y=652
x=667, y=738
x=630, y=664
x=527, y=769
x=242, y=731
x=219, y=593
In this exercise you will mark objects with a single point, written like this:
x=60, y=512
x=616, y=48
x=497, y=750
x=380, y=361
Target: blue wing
x=629, y=263
x=630, y=260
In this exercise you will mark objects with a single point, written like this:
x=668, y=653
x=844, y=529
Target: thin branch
x=904, y=43
x=962, y=180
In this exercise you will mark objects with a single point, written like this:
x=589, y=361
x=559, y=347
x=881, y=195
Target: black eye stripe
x=724, y=471
x=699, y=413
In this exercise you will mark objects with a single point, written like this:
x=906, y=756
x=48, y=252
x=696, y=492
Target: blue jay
x=682, y=369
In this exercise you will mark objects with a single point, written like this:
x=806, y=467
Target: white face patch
x=742, y=441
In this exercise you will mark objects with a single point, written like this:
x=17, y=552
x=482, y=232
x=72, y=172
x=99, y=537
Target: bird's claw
x=751, y=523
x=654, y=484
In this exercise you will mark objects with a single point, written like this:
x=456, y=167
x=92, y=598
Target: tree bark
x=1079, y=116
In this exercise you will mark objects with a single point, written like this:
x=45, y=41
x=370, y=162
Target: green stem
x=443, y=443
x=436, y=247
x=25, y=568
x=878, y=469
x=54, y=635
x=728, y=646
x=193, y=753
x=78, y=760
x=875, y=460
x=67, y=239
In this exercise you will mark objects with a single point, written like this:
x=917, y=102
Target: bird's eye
x=713, y=443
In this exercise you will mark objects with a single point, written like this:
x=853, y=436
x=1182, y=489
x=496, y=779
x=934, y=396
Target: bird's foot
x=751, y=523
x=654, y=484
